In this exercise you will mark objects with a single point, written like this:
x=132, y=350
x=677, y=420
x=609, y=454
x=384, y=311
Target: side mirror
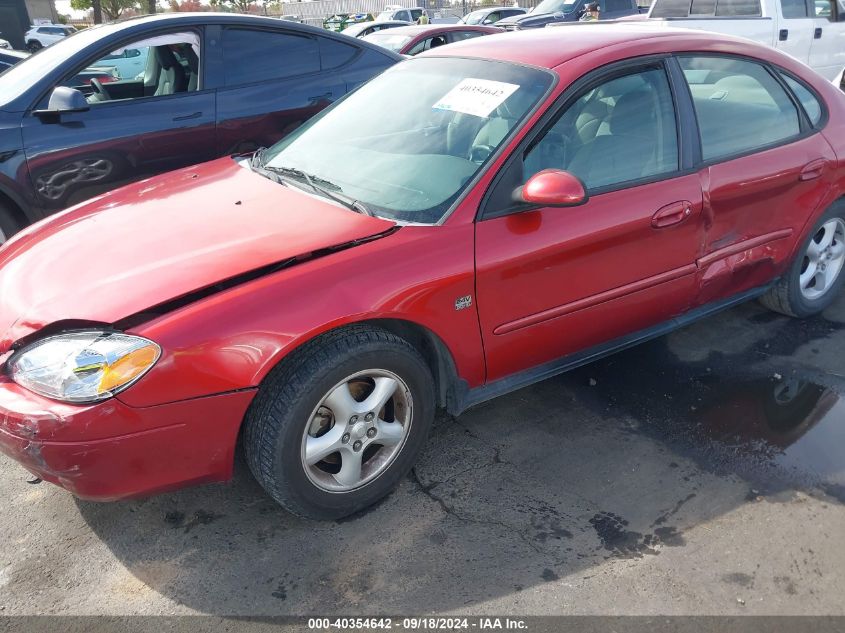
x=552, y=188
x=64, y=99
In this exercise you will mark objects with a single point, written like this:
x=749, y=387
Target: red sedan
x=462, y=226
x=412, y=40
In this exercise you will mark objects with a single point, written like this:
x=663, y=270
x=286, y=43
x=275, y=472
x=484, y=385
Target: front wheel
x=811, y=283
x=336, y=426
x=34, y=46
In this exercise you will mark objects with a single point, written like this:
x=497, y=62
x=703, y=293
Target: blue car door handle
x=185, y=117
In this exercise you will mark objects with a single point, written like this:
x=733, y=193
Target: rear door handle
x=817, y=34
x=323, y=97
x=813, y=169
x=671, y=214
x=185, y=117
x=783, y=34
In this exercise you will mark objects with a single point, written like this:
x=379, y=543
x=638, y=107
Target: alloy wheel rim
x=357, y=430
x=823, y=260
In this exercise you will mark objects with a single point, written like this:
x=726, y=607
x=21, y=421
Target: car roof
x=548, y=48
x=18, y=55
x=419, y=29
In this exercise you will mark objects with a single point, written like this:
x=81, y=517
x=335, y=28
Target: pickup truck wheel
x=8, y=224
x=812, y=281
x=33, y=46
x=336, y=426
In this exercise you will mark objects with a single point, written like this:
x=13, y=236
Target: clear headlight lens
x=82, y=367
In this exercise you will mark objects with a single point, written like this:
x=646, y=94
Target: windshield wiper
x=257, y=159
x=322, y=186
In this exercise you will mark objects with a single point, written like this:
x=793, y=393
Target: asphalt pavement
x=700, y=473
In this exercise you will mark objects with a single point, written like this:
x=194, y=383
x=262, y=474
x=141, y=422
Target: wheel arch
x=449, y=387
x=15, y=206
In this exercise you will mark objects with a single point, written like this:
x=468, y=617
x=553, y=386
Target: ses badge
x=463, y=302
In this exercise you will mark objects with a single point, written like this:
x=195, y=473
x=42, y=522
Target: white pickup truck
x=812, y=31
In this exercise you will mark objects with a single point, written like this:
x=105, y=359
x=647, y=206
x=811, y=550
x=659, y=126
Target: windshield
x=555, y=6
x=475, y=17
x=406, y=144
x=20, y=77
x=388, y=39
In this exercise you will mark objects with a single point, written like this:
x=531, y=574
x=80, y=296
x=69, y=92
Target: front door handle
x=672, y=214
x=783, y=34
x=185, y=117
x=813, y=170
x=817, y=34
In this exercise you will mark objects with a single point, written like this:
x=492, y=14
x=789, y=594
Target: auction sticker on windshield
x=478, y=97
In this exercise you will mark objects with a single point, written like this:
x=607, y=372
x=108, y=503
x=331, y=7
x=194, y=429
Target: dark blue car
x=211, y=85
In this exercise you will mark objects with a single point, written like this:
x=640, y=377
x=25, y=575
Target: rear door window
x=740, y=107
x=251, y=55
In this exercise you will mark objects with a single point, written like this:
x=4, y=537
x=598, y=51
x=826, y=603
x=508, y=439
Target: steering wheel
x=479, y=153
x=100, y=90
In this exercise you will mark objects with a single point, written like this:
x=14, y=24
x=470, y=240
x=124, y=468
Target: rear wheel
x=33, y=46
x=338, y=424
x=811, y=283
x=8, y=224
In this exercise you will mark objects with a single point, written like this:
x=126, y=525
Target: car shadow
x=618, y=459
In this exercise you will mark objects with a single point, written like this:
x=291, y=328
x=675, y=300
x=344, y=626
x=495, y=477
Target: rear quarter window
x=334, y=53
x=812, y=106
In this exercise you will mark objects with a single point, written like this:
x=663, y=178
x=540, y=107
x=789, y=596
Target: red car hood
x=153, y=241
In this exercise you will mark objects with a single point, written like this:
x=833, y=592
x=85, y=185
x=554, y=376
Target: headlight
x=82, y=366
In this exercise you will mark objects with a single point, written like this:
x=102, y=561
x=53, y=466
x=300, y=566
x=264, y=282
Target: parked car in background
x=127, y=62
x=421, y=245
x=565, y=11
x=80, y=81
x=44, y=35
x=212, y=85
x=491, y=15
x=813, y=33
x=411, y=40
x=402, y=14
x=365, y=28
x=340, y=21
x=9, y=58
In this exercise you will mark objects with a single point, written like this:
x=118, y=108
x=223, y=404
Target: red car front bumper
x=109, y=450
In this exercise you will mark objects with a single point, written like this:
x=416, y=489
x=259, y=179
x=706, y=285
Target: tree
x=111, y=9
x=241, y=6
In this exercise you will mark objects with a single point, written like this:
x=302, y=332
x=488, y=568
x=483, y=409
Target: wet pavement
x=703, y=472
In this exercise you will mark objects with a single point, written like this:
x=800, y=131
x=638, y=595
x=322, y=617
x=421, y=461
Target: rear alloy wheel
x=811, y=283
x=336, y=426
x=822, y=262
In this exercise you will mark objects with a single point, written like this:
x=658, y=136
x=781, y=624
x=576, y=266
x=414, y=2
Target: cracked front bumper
x=109, y=450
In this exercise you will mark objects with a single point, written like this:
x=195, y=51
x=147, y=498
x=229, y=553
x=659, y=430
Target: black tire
x=33, y=46
x=277, y=419
x=786, y=296
x=8, y=224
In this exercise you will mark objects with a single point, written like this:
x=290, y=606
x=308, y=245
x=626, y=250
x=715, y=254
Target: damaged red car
x=467, y=223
